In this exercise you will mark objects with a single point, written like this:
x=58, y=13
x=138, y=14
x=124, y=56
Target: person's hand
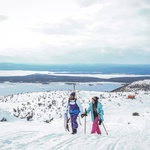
x=82, y=115
x=100, y=121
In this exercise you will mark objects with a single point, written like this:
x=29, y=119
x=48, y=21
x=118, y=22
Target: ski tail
x=66, y=122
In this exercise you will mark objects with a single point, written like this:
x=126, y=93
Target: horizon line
x=42, y=64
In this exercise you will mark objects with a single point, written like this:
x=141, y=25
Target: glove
x=100, y=121
x=82, y=115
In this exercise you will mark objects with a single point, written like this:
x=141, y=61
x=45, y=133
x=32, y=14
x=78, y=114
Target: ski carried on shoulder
x=66, y=122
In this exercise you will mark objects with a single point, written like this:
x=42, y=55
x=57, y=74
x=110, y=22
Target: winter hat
x=95, y=98
x=73, y=94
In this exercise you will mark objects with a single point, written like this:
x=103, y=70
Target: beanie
x=73, y=94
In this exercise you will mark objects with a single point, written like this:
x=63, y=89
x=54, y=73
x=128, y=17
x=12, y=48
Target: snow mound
x=6, y=116
x=141, y=85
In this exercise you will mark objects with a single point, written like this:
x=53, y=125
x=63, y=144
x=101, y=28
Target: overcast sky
x=75, y=31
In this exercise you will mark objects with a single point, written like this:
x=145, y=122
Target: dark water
x=15, y=88
x=82, y=68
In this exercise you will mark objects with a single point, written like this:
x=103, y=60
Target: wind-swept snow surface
x=125, y=131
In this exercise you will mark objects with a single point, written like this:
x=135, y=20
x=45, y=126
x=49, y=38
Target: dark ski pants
x=74, y=121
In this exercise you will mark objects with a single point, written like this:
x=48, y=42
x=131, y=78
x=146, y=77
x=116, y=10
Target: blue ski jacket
x=100, y=111
x=74, y=108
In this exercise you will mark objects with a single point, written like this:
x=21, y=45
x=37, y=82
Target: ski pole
x=85, y=123
x=104, y=128
x=74, y=88
x=79, y=121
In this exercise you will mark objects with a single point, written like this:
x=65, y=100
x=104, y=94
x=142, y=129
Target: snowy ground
x=125, y=132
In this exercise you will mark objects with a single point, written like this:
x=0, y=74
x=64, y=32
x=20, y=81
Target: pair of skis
x=66, y=123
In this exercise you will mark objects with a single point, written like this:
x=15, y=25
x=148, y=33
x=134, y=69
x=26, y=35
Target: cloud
x=117, y=24
x=100, y=31
x=66, y=27
x=3, y=18
x=74, y=54
x=86, y=3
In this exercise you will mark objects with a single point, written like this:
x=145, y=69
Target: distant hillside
x=141, y=85
x=44, y=78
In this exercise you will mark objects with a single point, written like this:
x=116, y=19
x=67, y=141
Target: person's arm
x=87, y=111
x=101, y=109
x=101, y=113
x=89, y=108
x=80, y=107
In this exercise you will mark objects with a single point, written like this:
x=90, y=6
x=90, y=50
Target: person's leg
x=95, y=127
x=74, y=124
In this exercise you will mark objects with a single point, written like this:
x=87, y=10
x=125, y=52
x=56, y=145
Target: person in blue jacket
x=97, y=113
x=73, y=109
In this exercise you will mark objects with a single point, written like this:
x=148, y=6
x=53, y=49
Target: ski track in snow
x=64, y=141
x=125, y=132
x=130, y=138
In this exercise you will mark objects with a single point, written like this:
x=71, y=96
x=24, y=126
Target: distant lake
x=9, y=88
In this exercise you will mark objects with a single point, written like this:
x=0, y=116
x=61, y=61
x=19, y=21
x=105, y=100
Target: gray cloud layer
x=115, y=32
x=117, y=25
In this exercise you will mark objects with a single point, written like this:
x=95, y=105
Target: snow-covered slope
x=142, y=85
x=125, y=131
x=42, y=106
